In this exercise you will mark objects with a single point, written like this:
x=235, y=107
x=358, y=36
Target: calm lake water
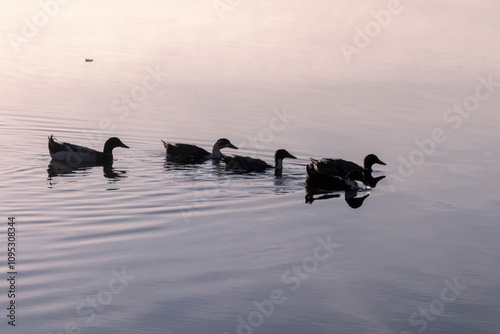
x=148, y=246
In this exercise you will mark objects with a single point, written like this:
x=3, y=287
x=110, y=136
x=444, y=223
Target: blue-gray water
x=151, y=247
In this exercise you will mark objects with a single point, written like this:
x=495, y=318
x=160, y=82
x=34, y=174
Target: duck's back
x=60, y=151
x=338, y=167
x=246, y=164
x=186, y=153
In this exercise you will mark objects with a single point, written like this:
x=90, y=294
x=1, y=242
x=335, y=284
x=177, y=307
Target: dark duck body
x=192, y=154
x=320, y=181
x=248, y=164
x=340, y=167
x=73, y=154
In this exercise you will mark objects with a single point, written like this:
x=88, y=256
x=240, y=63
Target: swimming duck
x=192, y=154
x=76, y=154
x=319, y=180
x=341, y=167
x=247, y=164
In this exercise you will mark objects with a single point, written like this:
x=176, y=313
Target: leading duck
x=75, y=154
x=192, y=154
x=341, y=167
x=247, y=164
x=322, y=181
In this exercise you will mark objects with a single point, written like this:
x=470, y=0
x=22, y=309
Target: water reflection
x=310, y=197
x=351, y=197
x=372, y=181
x=113, y=174
x=58, y=168
x=169, y=165
x=188, y=168
x=353, y=201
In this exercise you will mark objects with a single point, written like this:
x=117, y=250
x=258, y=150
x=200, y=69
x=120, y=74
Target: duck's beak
x=291, y=156
x=232, y=146
x=123, y=145
x=380, y=162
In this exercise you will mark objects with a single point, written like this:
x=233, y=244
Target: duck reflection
x=351, y=197
x=189, y=168
x=113, y=174
x=310, y=197
x=353, y=201
x=370, y=180
x=58, y=168
x=170, y=165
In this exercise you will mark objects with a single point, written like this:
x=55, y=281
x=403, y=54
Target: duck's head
x=220, y=144
x=223, y=143
x=278, y=158
x=282, y=154
x=113, y=142
x=370, y=160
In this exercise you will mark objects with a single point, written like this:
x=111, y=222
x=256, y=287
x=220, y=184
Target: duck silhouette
x=74, y=155
x=192, y=154
x=248, y=164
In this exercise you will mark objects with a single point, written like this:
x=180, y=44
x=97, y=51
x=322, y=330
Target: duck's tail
x=310, y=170
x=52, y=144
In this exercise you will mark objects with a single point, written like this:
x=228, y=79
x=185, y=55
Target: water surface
x=148, y=246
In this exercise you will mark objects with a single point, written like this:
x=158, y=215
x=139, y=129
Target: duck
x=248, y=164
x=319, y=180
x=341, y=167
x=75, y=154
x=192, y=154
